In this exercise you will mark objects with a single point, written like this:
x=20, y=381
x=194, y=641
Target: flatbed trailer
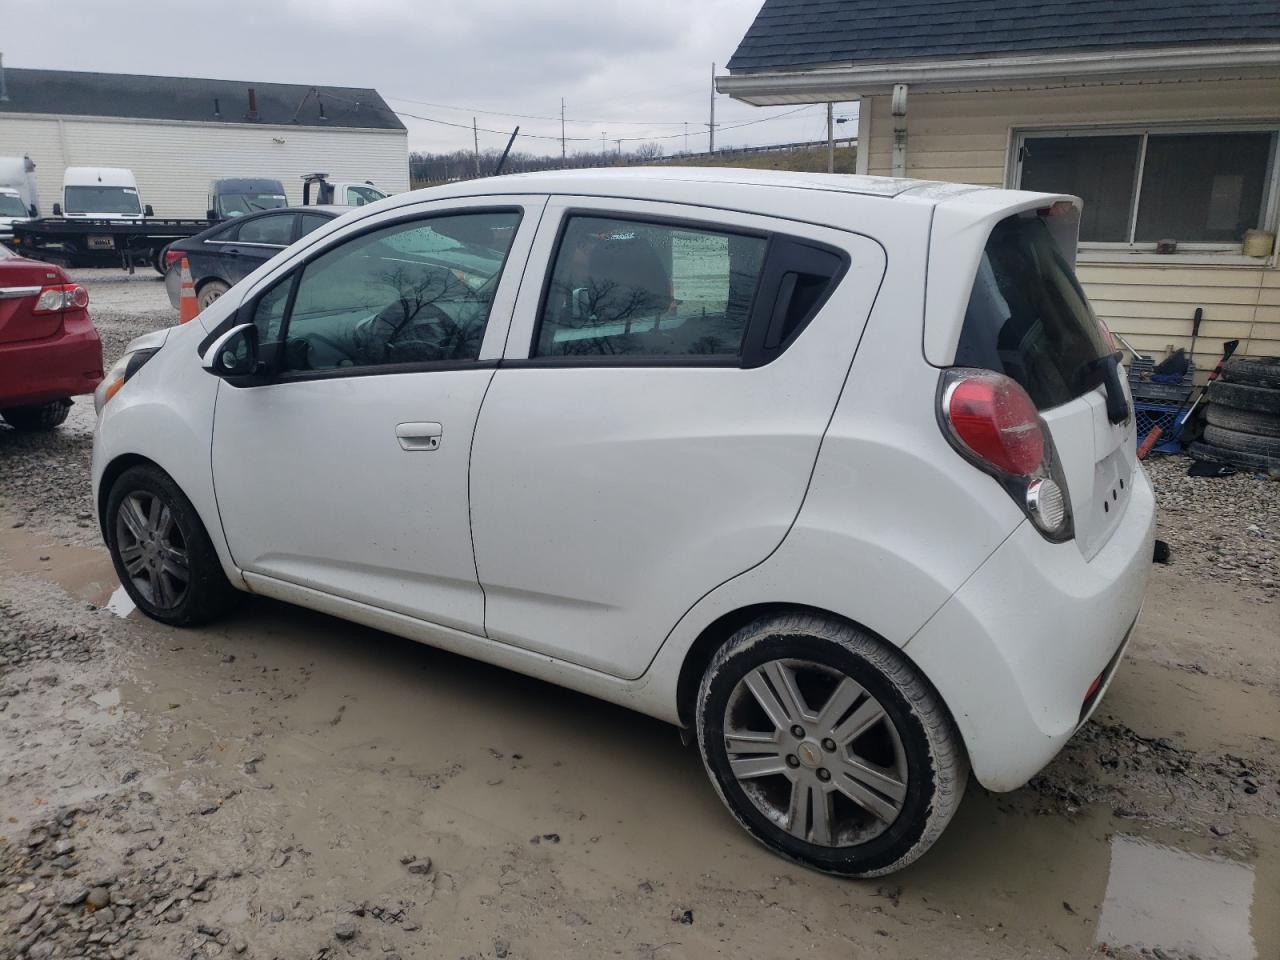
x=79, y=242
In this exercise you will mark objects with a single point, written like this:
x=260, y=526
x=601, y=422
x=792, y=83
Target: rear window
x=1028, y=318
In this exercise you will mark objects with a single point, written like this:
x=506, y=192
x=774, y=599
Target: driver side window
x=416, y=292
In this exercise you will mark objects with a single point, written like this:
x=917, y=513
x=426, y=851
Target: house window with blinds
x=1200, y=188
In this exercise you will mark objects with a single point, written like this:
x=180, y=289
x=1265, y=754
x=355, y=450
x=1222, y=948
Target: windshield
x=11, y=206
x=1028, y=318
x=238, y=204
x=102, y=200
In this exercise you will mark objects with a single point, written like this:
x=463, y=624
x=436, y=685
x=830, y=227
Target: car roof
x=622, y=182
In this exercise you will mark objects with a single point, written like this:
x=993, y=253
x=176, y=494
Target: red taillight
x=171, y=257
x=62, y=297
x=1093, y=687
x=996, y=421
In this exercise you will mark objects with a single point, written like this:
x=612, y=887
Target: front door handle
x=419, y=436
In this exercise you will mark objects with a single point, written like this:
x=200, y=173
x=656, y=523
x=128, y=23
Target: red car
x=49, y=349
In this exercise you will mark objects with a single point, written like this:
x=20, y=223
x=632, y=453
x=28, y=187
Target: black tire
x=43, y=416
x=210, y=291
x=1243, y=397
x=1244, y=442
x=1243, y=421
x=158, y=261
x=936, y=766
x=1236, y=458
x=207, y=594
x=1254, y=371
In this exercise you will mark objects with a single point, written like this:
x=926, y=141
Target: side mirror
x=211, y=214
x=234, y=355
x=57, y=209
x=147, y=211
x=33, y=211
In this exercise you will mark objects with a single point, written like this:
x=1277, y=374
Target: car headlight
x=119, y=375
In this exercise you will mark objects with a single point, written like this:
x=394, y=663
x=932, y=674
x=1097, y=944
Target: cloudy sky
x=629, y=69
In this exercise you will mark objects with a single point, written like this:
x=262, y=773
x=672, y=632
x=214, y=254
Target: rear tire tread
x=43, y=416
x=948, y=759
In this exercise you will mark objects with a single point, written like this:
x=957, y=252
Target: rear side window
x=276, y=230
x=1029, y=319
x=311, y=221
x=627, y=288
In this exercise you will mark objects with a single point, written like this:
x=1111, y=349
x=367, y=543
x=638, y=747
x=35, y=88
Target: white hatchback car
x=837, y=471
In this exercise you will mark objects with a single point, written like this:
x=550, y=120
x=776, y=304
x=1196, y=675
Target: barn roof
x=81, y=94
x=795, y=34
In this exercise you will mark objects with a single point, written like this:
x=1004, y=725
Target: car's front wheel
x=161, y=551
x=828, y=746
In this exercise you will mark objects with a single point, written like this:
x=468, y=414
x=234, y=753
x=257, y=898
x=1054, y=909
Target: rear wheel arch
x=717, y=633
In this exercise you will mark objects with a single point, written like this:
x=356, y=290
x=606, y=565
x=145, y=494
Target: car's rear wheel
x=210, y=291
x=43, y=416
x=828, y=746
x=162, y=552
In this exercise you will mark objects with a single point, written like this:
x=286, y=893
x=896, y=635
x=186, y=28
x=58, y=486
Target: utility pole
x=831, y=143
x=564, y=162
x=711, y=127
x=604, y=151
x=475, y=138
x=619, y=150
x=686, y=136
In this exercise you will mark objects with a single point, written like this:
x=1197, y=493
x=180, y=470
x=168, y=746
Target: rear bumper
x=1015, y=651
x=67, y=364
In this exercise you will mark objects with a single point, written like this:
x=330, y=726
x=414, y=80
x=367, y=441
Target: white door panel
x=606, y=500
x=327, y=497
x=356, y=483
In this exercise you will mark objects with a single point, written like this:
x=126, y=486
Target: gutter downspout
x=862, y=162
x=899, y=107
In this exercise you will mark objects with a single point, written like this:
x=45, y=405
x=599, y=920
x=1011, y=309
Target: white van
x=18, y=197
x=100, y=193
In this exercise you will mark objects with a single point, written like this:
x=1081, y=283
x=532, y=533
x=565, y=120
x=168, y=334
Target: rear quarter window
x=1029, y=319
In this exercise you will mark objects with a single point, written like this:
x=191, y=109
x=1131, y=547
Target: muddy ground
x=287, y=785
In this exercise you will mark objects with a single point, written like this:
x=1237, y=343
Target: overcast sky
x=636, y=69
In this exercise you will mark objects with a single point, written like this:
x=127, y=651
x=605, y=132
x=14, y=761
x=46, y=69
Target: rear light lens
x=66, y=296
x=996, y=420
x=993, y=423
x=172, y=257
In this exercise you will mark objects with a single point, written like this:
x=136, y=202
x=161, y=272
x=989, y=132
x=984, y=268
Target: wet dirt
x=291, y=762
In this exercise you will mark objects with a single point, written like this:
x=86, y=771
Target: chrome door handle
x=419, y=436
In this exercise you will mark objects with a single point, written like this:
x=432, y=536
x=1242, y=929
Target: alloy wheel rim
x=815, y=753
x=152, y=550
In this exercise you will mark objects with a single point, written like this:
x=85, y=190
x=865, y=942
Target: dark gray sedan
x=227, y=253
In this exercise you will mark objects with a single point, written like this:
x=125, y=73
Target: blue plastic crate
x=1148, y=416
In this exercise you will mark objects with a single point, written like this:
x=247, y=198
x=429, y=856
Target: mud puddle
x=305, y=759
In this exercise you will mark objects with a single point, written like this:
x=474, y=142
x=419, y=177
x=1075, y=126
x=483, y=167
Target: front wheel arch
x=109, y=477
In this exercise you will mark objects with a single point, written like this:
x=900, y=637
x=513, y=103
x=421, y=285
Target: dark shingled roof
x=72, y=93
x=809, y=33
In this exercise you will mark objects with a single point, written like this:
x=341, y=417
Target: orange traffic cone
x=188, y=306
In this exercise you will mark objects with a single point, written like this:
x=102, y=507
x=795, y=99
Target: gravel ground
x=1222, y=528
x=273, y=788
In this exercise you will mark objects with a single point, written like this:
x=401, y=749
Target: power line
x=534, y=116
x=475, y=128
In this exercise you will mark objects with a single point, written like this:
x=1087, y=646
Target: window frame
x=1270, y=183
x=272, y=356
x=751, y=354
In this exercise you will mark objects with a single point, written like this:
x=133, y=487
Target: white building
x=176, y=133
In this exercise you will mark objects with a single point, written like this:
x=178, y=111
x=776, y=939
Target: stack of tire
x=1243, y=417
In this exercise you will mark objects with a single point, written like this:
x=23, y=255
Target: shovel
x=1180, y=418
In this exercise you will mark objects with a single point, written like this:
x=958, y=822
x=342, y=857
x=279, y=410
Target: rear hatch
x=1028, y=318
x=20, y=284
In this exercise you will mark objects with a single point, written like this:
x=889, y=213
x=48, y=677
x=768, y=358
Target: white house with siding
x=176, y=133
x=1163, y=115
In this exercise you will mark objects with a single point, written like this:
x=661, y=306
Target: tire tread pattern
x=949, y=761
